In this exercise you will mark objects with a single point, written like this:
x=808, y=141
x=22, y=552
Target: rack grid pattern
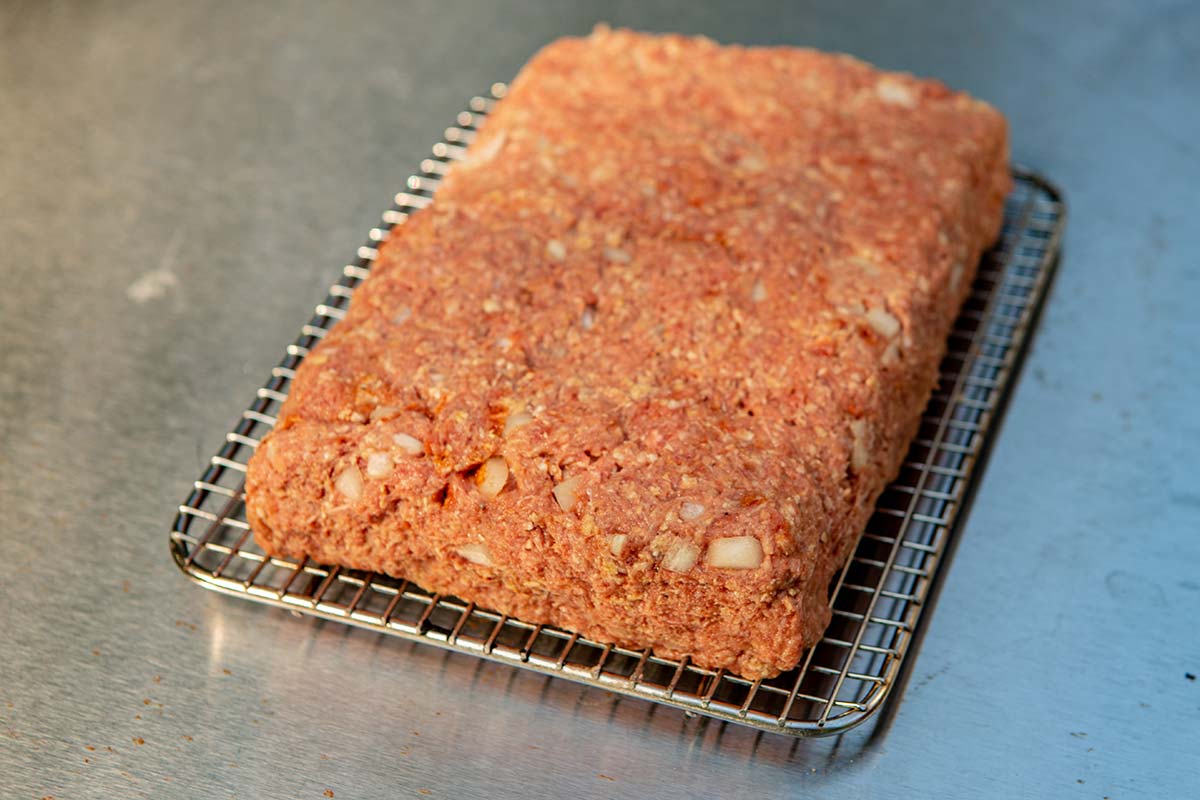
x=877, y=599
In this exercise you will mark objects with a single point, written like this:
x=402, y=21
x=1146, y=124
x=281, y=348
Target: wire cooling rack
x=877, y=599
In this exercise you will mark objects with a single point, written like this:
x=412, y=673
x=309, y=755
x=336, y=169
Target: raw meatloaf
x=644, y=366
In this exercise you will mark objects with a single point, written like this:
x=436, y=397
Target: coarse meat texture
x=643, y=367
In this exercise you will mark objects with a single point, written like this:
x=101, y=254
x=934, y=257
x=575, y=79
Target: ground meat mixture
x=643, y=367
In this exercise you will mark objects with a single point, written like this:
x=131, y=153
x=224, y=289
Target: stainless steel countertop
x=179, y=183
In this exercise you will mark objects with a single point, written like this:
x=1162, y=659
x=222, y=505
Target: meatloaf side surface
x=643, y=367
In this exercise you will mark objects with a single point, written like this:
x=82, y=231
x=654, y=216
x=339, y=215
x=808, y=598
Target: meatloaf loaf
x=643, y=367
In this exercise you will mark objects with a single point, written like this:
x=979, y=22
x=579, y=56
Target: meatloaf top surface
x=669, y=305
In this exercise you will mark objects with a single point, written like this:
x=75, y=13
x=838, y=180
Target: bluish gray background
x=180, y=182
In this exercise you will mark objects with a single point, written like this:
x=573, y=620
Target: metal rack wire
x=878, y=597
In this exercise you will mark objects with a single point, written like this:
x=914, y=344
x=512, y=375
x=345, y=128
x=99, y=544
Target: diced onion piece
x=556, y=249
x=518, y=420
x=860, y=456
x=588, y=320
x=690, y=510
x=476, y=553
x=350, y=483
x=758, y=292
x=752, y=163
x=617, y=256
x=892, y=353
x=565, y=493
x=486, y=151
x=379, y=465
x=735, y=552
x=681, y=557
x=956, y=275
x=492, y=476
x=616, y=543
x=409, y=444
x=884, y=323
x=892, y=91
x=383, y=412
x=402, y=315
